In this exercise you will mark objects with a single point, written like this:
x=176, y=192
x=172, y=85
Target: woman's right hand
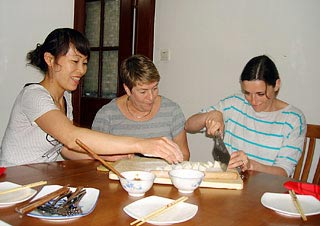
x=214, y=122
x=161, y=147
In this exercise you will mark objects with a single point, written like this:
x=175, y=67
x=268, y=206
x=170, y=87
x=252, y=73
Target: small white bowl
x=186, y=180
x=137, y=183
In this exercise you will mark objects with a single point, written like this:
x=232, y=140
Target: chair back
x=303, y=167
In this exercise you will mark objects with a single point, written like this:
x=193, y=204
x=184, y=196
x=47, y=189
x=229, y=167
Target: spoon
x=97, y=157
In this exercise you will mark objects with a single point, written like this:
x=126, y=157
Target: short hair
x=138, y=69
x=260, y=68
x=58, y=43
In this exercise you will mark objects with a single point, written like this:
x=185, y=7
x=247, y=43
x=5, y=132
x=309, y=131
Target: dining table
x=216, y=206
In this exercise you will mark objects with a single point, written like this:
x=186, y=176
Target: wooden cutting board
x=214, y=176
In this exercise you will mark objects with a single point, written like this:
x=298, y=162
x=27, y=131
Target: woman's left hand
x=239, y=159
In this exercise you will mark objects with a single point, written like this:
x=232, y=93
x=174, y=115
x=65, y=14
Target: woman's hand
x=161, y=147
x=239, y=159
x=214, y=122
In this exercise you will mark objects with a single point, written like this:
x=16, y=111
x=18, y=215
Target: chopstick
x=97, y=157
x=40, y=201
x=297, y=204
x=157, y=212
x=35, y=184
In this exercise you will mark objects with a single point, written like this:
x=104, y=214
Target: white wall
x=24, y=24
x=210, y=41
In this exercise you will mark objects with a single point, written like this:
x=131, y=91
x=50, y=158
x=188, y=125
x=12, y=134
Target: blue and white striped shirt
x=271, y=138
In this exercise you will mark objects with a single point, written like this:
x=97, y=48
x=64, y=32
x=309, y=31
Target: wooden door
x=135, y=36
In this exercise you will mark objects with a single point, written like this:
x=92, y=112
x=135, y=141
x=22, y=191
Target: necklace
x=137, y=117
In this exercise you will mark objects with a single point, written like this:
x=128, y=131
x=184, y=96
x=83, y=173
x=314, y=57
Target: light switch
x=164, y=55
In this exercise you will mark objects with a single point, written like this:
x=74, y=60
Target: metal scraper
x=220, y=152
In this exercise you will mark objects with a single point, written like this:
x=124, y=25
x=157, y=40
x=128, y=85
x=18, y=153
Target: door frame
x=144, y=39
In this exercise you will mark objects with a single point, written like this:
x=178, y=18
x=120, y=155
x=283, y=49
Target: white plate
x=180, y=213
x=87, y=203
x=282, y=203
x=14, y=197
x=2, y=223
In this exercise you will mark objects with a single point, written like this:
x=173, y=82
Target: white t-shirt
x=24, y=141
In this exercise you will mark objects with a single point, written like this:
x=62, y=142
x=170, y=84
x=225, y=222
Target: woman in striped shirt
x=261, y=132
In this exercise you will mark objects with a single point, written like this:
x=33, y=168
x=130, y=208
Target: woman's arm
x=276, y=170
x=59, y=126
x=212, y=121
x=75, y=155
x=182, y=142
x=240, y=159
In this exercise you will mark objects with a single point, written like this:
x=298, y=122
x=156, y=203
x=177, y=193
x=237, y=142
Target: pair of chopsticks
x=297, y=204
x=23, y=187
x=157, y=212
x=97, y=157
x=42, y=200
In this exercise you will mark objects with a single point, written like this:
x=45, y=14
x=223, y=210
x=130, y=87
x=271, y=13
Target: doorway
x=116, y=30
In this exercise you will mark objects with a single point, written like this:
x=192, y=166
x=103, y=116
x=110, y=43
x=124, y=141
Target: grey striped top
x=168, y=122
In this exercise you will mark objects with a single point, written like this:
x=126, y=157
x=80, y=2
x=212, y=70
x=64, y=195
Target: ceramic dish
x=137, y=183
x=180, y=213
x=283, y=204
x=186, y=180
x=14, y=197
x=87, y=203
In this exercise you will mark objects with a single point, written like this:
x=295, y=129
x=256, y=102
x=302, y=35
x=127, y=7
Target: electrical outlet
x=164, y=55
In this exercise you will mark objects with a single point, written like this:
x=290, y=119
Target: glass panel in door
x=102, y=30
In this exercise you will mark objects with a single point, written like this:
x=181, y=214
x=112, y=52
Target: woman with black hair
x=40, y=128
x=262, y=132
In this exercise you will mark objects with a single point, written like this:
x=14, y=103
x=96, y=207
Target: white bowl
x=137, y=183
x=186, y=180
